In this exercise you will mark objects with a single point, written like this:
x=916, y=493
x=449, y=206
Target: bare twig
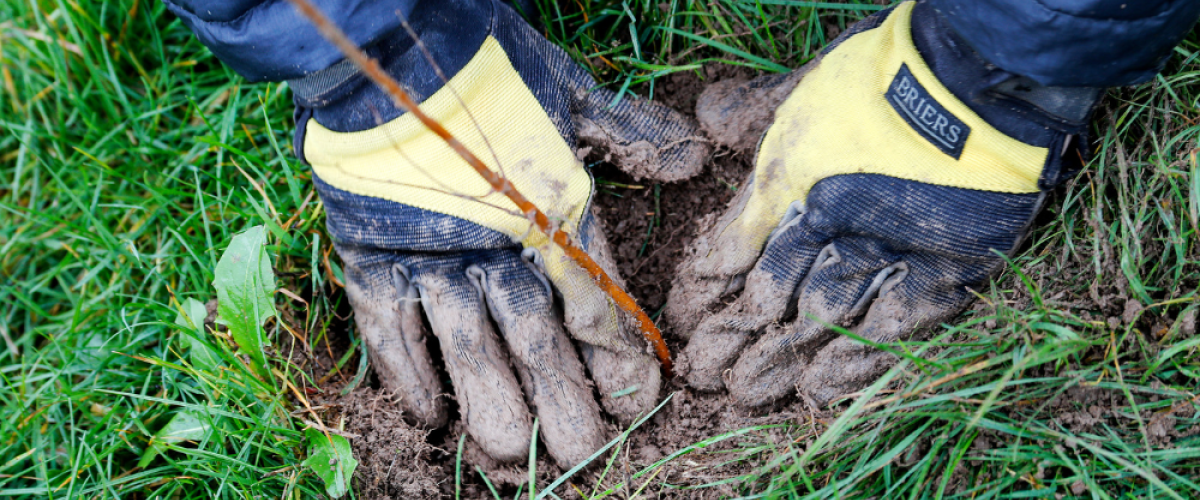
x=437, y=69
x=371, y=68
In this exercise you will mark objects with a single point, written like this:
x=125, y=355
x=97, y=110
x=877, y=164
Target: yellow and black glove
x=896, y=170
x=419, y=230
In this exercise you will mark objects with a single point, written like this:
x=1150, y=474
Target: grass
x=130, y=157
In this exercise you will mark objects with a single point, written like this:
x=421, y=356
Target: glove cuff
x=1095, y=43
x=452, y=31
x=1006, y=100
x=1055, y=118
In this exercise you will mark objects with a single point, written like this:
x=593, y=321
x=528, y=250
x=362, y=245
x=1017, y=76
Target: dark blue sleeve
x=1074, y=43
x=270, y=40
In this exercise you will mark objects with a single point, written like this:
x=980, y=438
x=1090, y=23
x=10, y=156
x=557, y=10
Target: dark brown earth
x=647, y=256
x=649, y=226
x=398, y=460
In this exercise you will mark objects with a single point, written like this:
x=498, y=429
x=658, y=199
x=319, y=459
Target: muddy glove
x=895, y=172
x=420, y=232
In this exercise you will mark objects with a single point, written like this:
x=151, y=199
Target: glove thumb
x=647, y=140
x=735, y=113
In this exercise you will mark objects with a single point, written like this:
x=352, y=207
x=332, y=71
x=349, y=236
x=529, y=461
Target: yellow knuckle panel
x=497, y=118
x=838, y=121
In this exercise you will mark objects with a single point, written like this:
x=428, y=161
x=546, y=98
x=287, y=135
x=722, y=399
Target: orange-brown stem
x=371, y=68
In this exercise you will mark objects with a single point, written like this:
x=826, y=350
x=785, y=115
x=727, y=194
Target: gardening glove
x=419, y=231
x=896, y=172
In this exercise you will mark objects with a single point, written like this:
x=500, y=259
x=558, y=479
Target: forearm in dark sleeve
x=1073, y=43
x=269, y=40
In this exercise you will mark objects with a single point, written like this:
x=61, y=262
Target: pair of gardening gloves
x=882, y=193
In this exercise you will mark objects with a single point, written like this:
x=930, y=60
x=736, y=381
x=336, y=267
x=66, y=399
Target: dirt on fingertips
x=647, y=256
x=648, y=226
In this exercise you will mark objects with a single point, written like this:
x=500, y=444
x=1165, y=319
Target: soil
x=395, y=458
x=649, y=226
x=647, y=256
x=399, y=460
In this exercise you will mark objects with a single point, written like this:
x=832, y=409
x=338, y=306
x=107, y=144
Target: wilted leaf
x=99, y=410
x=333, y=462
x=187, y=425
x=201, y=355
x=245, y=284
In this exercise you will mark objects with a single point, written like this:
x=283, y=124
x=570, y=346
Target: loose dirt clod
x=645, y=256
x=395, y=458
x=648, y=228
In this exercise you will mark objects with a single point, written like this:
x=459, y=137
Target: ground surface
x=647, y=258
x=130, y=158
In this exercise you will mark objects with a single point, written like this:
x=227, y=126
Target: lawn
x=130, y=158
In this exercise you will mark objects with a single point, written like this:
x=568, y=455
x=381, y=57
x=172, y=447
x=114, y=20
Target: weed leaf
x=332, y=462
x=187, y=425
x=202, y=356
x=245, y=284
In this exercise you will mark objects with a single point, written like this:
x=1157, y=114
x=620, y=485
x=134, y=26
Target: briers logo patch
x=925, y=115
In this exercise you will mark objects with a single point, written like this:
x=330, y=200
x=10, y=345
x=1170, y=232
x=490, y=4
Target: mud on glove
x=420, y=231
x=894, y=171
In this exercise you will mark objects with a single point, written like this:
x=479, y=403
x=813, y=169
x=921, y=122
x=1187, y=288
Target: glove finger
x=387, y=312
x=489, y=396
x=735, y=113
x=715, y=266
x=847, y=275
x=934, y=290
x=770, y=288
x=626, y=373
x=645, y=139
x=521, y=303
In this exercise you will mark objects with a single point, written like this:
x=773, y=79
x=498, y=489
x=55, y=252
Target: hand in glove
x=419, y=231
x=896, y=170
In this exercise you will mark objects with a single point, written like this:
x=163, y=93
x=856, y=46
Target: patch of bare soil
x=647, y=256
x=395, y=458
x=648, y=228
x=399, y=460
